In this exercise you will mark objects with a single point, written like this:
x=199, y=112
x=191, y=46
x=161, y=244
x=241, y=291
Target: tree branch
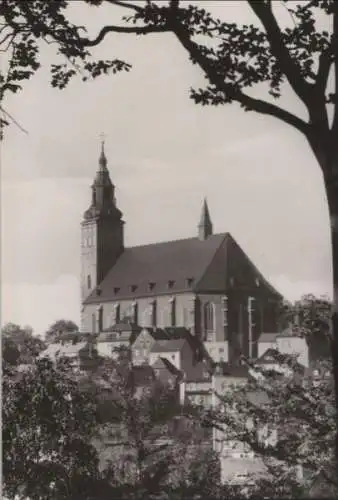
x=140, y=30
x=127, y=5
x=13, y=119
x=280, y=51
x=248, y=102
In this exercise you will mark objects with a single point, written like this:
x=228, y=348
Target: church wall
x=183, y=306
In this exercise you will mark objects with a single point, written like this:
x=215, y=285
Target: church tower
x=101, y=231
x=205, y=225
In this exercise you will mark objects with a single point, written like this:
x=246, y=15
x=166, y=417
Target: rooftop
x=173, y=345
x=177, y=266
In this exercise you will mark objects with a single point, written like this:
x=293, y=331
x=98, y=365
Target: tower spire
x=205, y=224
x=103, y=158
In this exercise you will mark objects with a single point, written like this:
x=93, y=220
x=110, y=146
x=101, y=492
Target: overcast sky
x=165, y=154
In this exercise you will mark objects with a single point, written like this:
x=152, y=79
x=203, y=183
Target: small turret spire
x=205, y=225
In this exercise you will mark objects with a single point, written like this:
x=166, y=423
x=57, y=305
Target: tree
x=24, y=26
x=287, y=419
x=19, y=345
x=150, y=446
x=46, y=422
x=60, y=326
x=234, y=59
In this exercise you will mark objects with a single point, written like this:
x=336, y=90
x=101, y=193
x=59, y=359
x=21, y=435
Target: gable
x=232, y=268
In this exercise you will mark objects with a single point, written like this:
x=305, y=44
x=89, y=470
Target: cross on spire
x=103, y=159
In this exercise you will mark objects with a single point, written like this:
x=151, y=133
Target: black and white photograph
x=169, y=249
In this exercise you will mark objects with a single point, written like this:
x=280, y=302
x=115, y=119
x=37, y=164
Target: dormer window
x=133, y=288
x=151, y=286
x=171, y=283
x=190, y=281
x=116, y=290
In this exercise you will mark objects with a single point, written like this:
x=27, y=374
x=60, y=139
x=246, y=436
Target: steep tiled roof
x=268, y=337
x=179, y=266
x=268, y=357
x=223, y=368
x=162, y=363
x=174, y=345
x=54, y=351
x=157, y=333
x=123, y=327
x=159, y=263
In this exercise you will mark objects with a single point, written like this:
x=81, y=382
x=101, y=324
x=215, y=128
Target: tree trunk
x=331, y=185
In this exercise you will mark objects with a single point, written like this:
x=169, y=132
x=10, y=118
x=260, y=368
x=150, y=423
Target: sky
x=165, y=154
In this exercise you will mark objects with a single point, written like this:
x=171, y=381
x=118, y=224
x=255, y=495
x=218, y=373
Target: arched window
x=135, y=313
x=153, y=313
x=116, y=318
x=89, y=282
x=172, y=305
x=209, y=320
x=99, y=319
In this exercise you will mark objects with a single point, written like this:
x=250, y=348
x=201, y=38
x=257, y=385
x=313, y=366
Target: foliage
x=60, y=326
x=287, y=419
x=143, y=427
x=24, y=26
x=46, y=424
x=310, y=317
x=19, y=345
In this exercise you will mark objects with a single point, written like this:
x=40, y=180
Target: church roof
x=177, y=266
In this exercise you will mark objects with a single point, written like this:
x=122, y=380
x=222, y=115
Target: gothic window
x=153, y=313
x=89, y=282
x=172, y=312
x=209, y=320
x=135, y=313
x=100, y=318
x=225, y=310
x=116, y=313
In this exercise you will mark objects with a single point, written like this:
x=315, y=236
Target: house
x=82, y=354
x=286, y=342
x=183, y=351
x=205, y=283
x=167, y=373
x=143, y=343
x=289, y=343
x=119, y=335
x=266, y=341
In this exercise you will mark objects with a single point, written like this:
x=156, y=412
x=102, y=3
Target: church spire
x=103, y=158
x=205, y=224
x=103, y=190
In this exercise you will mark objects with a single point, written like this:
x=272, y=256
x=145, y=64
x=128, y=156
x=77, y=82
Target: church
x=205, y=283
